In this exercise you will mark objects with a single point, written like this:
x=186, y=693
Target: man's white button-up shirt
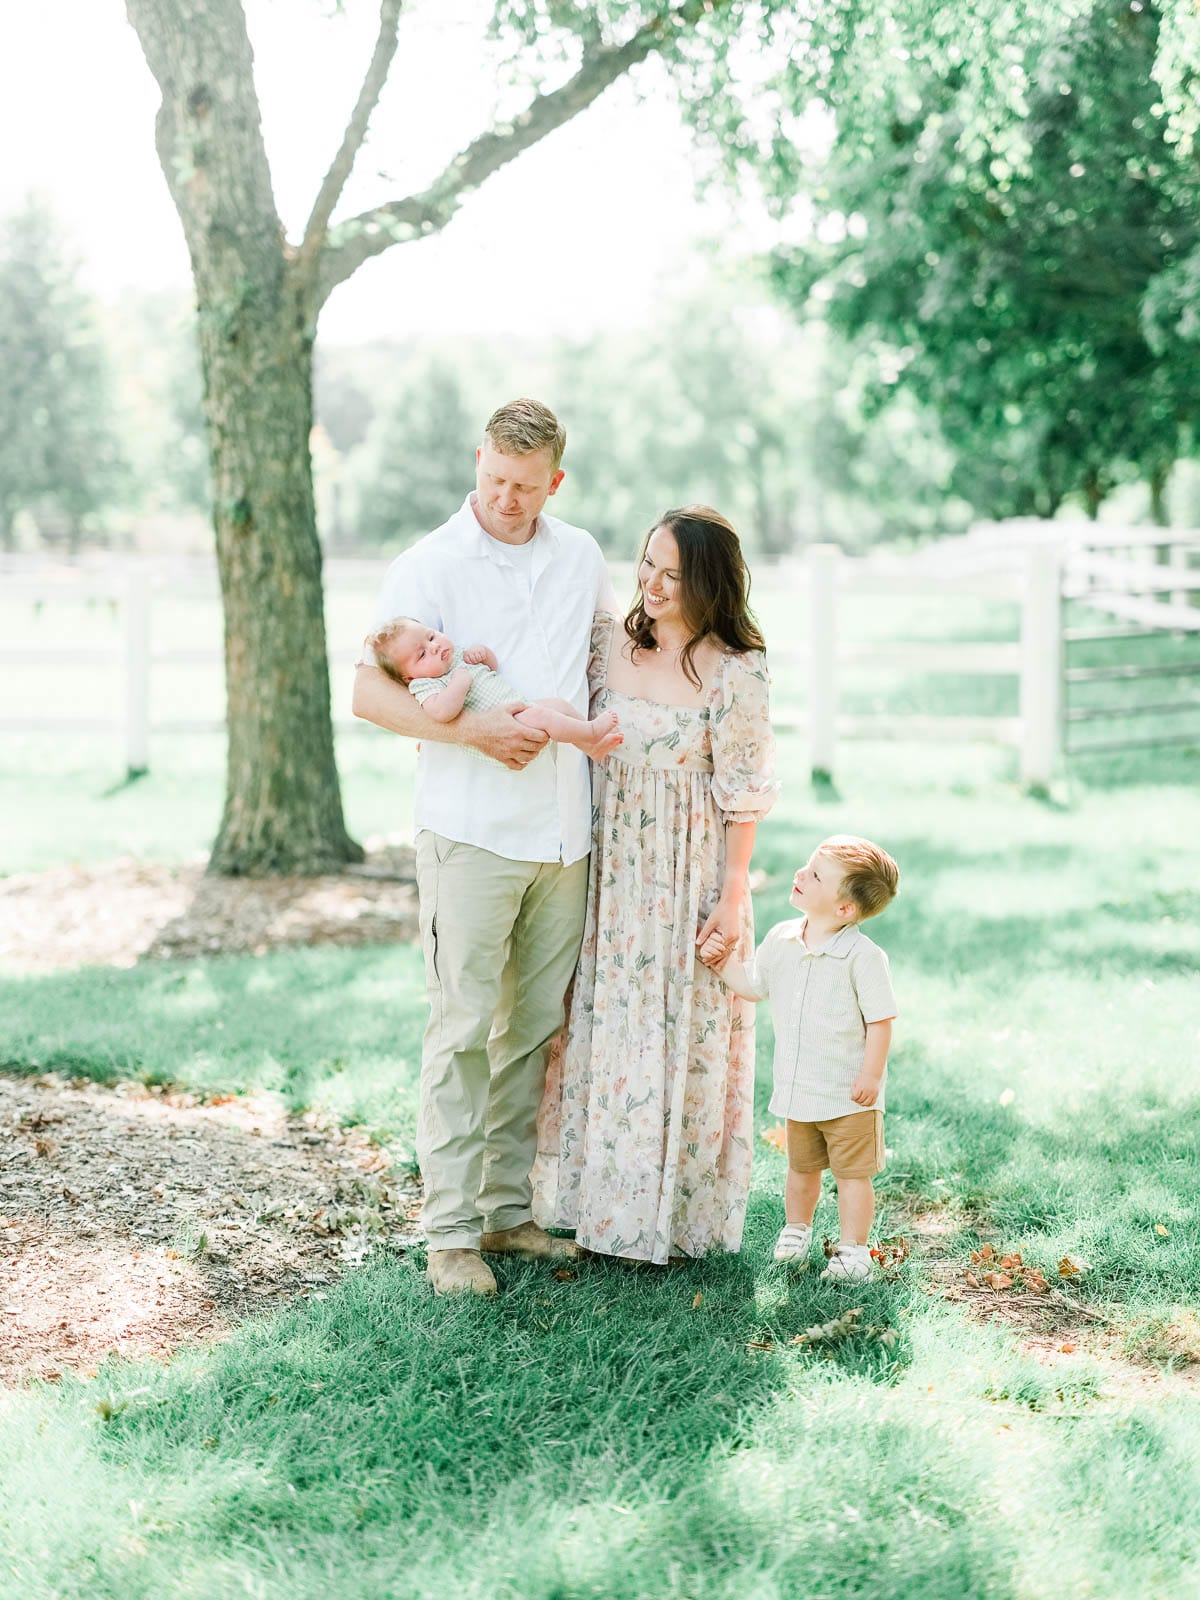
x=463, y=582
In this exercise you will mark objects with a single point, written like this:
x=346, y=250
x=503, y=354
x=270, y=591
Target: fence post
x=137, y=671
x=822, y=659
x=1042, y=666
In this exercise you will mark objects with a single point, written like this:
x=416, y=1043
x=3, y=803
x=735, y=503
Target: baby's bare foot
x=603, y=736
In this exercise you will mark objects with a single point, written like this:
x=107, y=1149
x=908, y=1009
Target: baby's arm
x=864, y=1091
x=733, y=974
x=446, y=704
x=479, y=655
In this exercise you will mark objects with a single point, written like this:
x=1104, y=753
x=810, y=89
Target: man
x=502, y=845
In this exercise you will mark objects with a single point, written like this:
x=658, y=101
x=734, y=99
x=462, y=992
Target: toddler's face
x=421, y=653
x=817, y=886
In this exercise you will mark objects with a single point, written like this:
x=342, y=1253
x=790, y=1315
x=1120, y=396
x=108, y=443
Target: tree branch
x=400, y=221
x=356, y=129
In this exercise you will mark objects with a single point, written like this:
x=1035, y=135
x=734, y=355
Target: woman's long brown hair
x=714, y=587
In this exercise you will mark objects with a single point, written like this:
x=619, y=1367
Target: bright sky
x=579, y=232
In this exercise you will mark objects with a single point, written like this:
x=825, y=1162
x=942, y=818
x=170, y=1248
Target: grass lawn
x=629, y=1432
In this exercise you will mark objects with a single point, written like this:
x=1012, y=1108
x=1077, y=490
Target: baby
x=447, y=680
x=832, y=1006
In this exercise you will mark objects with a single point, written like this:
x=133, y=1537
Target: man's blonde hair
x=378, y=642
x=869, y=875
x=524, y=426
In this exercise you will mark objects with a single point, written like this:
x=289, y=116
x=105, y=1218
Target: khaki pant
x=501, y=939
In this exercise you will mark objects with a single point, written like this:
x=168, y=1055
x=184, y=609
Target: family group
x=588, y=788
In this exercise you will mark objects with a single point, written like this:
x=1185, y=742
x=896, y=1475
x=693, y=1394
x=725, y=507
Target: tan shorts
x=851, y=1146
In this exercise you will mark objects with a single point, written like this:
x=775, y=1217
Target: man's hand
x=480, y=656
x=864, y=1091
x=499, y=735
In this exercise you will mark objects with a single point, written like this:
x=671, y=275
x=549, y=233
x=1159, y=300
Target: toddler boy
x=832, y=1006
x=447, y=680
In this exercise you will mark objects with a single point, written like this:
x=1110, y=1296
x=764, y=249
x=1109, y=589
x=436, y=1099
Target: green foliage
x=59, y=457
x=417, y=462
x=1012, y=216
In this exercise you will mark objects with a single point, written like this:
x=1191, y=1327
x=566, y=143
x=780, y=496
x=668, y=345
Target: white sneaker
x=793, y=1243
x=849, y=1263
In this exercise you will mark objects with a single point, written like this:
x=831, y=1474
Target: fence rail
x=1037, y=566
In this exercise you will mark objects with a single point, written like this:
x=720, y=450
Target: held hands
x=725, y=919
x=715, y=951
x=864, y=1091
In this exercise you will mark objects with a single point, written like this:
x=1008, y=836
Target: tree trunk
x=257, y=319
x=1159, y=512
x=283, y=810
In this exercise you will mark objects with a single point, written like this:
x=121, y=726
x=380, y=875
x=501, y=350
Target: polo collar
x=839, y=946
x=473, y=541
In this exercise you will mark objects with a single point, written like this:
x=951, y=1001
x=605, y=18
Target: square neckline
x=703, y=709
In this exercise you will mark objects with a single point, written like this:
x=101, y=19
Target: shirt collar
x=840, y=945
x=471, y=539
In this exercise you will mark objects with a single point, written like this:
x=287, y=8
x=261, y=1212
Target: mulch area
x=134, y=1219
x=127, y=911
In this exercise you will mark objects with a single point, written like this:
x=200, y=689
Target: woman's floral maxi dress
x=645, y=1132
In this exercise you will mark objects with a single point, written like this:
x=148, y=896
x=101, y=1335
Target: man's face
x=817, y=887
x=421, y=653
x=510, y=491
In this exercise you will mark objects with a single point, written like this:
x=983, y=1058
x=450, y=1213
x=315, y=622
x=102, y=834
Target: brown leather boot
x=460, y=1272
x=527, y=1239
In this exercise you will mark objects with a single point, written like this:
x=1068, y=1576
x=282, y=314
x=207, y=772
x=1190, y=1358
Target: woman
x=645, y=1132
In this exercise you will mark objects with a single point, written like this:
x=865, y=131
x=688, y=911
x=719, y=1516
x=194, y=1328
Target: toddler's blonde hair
x=869, y=875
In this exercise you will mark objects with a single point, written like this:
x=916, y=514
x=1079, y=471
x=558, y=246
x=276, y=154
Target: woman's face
x=658, y=576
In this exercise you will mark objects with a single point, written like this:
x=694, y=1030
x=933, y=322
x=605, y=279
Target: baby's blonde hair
x=869, y=875
x=378, y=642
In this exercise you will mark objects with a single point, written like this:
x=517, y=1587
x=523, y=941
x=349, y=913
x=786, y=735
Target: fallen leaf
x=997, y=1280
x=776, y=1136
x=1164, y=1233
x=1069, y=1347
x=564, y=1274
x=1071, y=1266
x=697, y=1300
x=1035, y=1282
x=48, y=1148
x=971, y=1279
x=1011, y=1261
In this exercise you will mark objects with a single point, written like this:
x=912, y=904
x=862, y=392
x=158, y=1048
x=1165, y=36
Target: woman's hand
x=725, y=917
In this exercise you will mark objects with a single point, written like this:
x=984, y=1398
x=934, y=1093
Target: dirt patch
x=135, y=1219
x=1058, y=1327
x=127, y=911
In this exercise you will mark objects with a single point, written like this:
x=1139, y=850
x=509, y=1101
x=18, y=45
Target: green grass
x=604, y=1435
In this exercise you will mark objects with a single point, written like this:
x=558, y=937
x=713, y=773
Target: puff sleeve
x=743, y=745
x=603, y=624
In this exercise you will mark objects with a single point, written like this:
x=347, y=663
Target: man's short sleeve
x=406, y=592
x=873, y=983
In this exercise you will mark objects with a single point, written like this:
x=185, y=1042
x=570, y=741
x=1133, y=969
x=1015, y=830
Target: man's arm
x=498, y=734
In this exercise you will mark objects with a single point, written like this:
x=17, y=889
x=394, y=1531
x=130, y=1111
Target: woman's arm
x=726, y=916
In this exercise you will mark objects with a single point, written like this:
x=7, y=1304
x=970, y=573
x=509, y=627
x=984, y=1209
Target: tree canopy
x=1012, y=236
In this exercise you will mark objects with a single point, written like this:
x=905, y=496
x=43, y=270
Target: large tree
x=1000, y=263
x=259, y=295
x=58, y=449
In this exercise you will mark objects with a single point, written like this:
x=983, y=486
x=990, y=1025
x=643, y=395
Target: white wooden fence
x=1034, y=565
